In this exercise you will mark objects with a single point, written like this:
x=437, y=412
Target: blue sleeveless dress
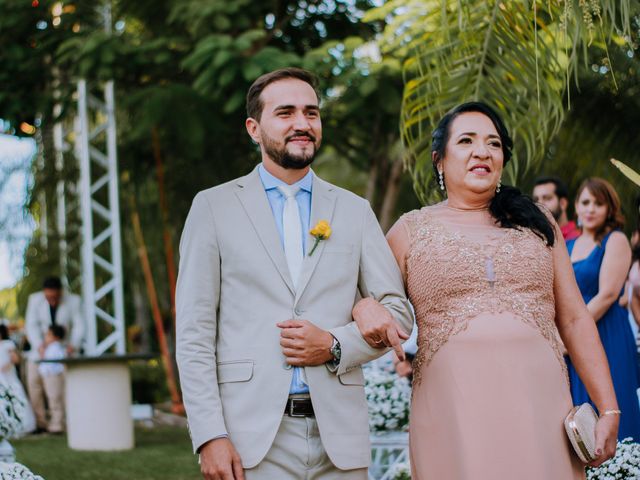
x=619, y=345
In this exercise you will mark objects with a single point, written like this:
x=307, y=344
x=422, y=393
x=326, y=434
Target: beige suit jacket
x=38, y=320
x=234, y=286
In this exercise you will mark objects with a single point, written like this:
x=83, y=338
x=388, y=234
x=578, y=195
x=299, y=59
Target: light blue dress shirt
x=277, y=200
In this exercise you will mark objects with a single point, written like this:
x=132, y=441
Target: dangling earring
x=499, y=185
x=441, y=180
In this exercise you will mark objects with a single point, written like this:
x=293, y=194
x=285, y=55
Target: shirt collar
x=269, y=182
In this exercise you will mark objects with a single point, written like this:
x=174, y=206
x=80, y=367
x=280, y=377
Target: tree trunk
x=370, y=193
x=391, y=192
x=141, y=318
x=166, y=233
x=176, y=400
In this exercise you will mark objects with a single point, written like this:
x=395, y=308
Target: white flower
x=16, y=471
x=624, y=466
x=388, y=397
x=12, y=411
x=399, y=471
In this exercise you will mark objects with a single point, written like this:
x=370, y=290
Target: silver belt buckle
x=291, y=409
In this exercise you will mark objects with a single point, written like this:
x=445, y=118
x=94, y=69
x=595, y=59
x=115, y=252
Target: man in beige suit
x=269, y=356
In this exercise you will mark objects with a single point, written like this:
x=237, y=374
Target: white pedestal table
x=98, y=401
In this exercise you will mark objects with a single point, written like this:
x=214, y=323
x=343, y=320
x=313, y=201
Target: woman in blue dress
x=601, y=258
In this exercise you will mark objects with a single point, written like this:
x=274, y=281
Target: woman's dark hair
x=604, y=193
x=4, y=332
x=509, y=207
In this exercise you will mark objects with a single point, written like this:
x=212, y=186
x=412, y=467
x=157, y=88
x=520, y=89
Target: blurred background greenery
x=388, y=70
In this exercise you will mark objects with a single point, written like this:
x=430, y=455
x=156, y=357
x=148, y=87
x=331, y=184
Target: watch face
x=336, y=350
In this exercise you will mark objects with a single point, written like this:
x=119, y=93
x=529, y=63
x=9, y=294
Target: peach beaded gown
x=490, y=389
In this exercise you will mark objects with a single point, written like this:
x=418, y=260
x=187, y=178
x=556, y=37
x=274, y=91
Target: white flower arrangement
x=12, y=411
x=399, y=471
x=389, y=397
x=624, y=466
x=16, y=471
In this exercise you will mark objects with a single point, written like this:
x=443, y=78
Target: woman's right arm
x=398, y=238
x=580, y=336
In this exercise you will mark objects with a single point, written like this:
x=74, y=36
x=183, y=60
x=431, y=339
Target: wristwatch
x=335, y=350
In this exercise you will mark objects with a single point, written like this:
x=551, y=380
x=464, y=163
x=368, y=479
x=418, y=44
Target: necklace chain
x=477, y=209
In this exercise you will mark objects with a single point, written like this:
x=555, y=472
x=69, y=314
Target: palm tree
x=519, y=56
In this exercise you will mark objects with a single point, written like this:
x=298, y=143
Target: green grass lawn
x=161, y=453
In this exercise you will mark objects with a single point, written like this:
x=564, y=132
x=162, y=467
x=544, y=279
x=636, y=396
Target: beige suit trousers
x=297, y=454
x=35, y=387
x=51, y=387
x=54, y=389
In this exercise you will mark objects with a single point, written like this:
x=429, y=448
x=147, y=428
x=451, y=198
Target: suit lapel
x=254, y=201
x=323, y=201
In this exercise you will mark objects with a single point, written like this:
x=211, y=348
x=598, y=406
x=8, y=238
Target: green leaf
x=251, y=71
x=234, y=102
x=368, y=86
x=221, y=22
x=486, y=50
x=627, y=171
x=246, y=40
x=227, y=76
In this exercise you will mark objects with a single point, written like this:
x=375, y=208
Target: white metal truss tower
x=90, y=242
x=102, y=281
x=68, y=224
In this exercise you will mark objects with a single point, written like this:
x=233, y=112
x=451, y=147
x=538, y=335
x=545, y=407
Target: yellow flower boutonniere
x=322, y=231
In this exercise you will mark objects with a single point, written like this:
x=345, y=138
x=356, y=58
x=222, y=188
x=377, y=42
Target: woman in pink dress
x=491, y=283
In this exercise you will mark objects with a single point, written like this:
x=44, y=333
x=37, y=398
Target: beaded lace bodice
x=460, y=264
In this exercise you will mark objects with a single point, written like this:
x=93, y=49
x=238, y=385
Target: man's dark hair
x=561, y=188
x=58, y=331
x=53, y=283
x=254, y=102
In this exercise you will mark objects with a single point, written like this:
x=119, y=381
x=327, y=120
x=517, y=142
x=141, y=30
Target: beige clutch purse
x=580, y=425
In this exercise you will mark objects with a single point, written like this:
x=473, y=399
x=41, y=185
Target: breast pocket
x=338, y=249
x=235, y=371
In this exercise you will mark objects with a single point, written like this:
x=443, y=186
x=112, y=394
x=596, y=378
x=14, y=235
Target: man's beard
x=286, y=159
x=557, y=213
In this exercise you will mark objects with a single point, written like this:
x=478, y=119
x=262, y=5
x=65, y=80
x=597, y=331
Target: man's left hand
x=304, y=344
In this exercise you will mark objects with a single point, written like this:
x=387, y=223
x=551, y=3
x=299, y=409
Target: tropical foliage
x=181, y=69
x=518, y=56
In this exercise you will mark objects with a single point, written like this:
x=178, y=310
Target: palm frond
x=627, y=171
x=515, y=57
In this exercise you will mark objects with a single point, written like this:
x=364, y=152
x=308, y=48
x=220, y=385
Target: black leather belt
x=299, y=407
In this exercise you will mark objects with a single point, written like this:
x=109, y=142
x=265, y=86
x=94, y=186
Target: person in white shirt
x=51, y=306
x=53, y=376
x=8, y=376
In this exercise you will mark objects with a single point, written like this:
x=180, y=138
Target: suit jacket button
x=287, y=366
x=298, y=311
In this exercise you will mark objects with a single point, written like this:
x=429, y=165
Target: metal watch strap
x=335, y=349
